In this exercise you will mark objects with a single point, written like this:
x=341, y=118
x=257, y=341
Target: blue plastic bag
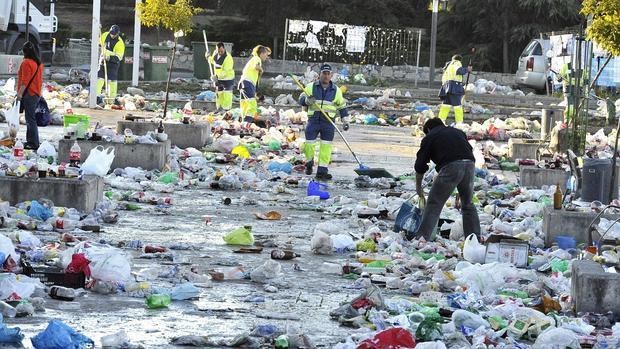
x=10, y=335
x=184, y=291
x=285, y=167
x=408, y=219
x=208, y=96
x=314, y=189
x=39, y=211
x=371, y=119
x=59, y=335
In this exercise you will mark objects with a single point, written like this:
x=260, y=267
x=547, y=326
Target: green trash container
x=201, y=68
x=126, y=69
x=156, y=62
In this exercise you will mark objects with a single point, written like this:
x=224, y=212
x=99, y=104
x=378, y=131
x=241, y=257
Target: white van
x=532, y=70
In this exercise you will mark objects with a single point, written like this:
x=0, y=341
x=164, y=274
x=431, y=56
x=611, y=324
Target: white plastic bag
x=557, y=338
x=269, y=270
x=7, y=248
x=110, y=266
x=99, y=161
x=321, y=243
x=342, y=242
x=473, y=251
x=12, y=118
x=46, y=149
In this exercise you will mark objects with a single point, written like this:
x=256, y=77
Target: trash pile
x=482, y=86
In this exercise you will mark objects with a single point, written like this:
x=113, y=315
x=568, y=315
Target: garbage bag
x=321, y=243
x=408, y=219
x=10, y=335
x=343, y=242
x=468, y=319
x=269, y=270
x=225, y=144
x=59, y=335
x=99, y=161
x=13, y=288
x=184, y=291
x=7, y=248
x=46, y=149
x=276, y=166
x=392, y=338
x=529, y=209
x=79, y=264
x=239, y=236
x=12, y=118
x=39, y=211
x=557, y=338
x=169, y=178
x=473, y=251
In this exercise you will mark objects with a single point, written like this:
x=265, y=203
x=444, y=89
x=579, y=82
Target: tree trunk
x=506, y=63
x=174, y=51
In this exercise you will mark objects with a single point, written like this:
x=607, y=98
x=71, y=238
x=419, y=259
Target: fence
x=316, y=41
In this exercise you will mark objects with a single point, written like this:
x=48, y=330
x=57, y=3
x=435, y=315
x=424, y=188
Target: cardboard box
x=507, y=249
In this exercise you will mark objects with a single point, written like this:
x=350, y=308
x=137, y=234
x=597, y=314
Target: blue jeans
x=32, y=130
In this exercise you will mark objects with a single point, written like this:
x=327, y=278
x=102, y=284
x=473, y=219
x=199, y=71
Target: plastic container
x=596, y=177
x=566, y=242
x=82, y=123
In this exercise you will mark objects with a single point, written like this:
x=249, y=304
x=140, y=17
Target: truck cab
x=43, y=24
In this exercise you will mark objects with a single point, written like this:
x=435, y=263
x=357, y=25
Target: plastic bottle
x=116, y=340
x=331, y=268
x=129, y=136
x=160, y=128
x=62, y=293
x=557, y=198
x=18, y=150
x=281, y=342
x=157, y=301
x=75, y=154
x=68, y=108
x=232, y=273
x=283, y=255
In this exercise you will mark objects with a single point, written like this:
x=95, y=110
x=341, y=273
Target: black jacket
x=443, y=145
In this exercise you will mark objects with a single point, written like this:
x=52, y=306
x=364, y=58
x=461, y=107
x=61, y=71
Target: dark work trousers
x=460, y=175
x=30, y=107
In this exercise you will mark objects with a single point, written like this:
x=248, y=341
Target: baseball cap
x=115, y=29
x=326, y=67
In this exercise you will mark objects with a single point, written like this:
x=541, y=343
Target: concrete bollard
x=68, y=192
x=535, y=177
x=146, y=156
x=594, y=290
x=181, y=135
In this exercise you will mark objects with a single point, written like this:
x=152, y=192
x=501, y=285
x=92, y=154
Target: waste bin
x=595, y=180
x=126, y=69
x=201, y=69
x=156, y=62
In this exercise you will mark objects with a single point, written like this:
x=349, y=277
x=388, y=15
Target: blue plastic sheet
x=39, y=211
x=59, y=335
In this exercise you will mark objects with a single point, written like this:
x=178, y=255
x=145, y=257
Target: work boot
x=323, y=176
x=309, y=166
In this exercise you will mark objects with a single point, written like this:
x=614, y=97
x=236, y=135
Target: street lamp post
x=431, y=73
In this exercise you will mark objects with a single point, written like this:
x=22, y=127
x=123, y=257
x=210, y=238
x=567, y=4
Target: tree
x=176, y=17
x=505, y=26
x=604, y=28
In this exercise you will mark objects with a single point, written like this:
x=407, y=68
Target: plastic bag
x=557, y=338
x=468, y=319
x=99, y=161
x=184, y=291
x=321, y=243
x=39, y=211
x=473, y=251
x=7, y=248
x=343, y=242
x=79, y=263
x=276, y=166
x=395, y=337
x=239, y=236
x=58, y=335
x=12, y=118
x=46, y=149
x=10, y=335
x=269, y=270
x=529, y=209
x=23, y=287
x=408, y=219
x=225, y=144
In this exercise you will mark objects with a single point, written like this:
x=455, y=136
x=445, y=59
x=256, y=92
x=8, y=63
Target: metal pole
x=94, y=54
x=137, y=28
x=417, y=61
x=285, y=39
x=27, y=20
x=431, y=73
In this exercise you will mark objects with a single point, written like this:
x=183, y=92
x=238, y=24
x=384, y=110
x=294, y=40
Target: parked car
x=532, y=70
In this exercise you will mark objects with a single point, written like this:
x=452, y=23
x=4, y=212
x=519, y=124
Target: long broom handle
x=204, y=36
x=330, y=121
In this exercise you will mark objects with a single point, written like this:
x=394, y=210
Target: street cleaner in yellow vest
x=328, y=96
x=565, y=76
x=249, y=82
x=224, y=78
x=452, y=89
x=113, y=50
